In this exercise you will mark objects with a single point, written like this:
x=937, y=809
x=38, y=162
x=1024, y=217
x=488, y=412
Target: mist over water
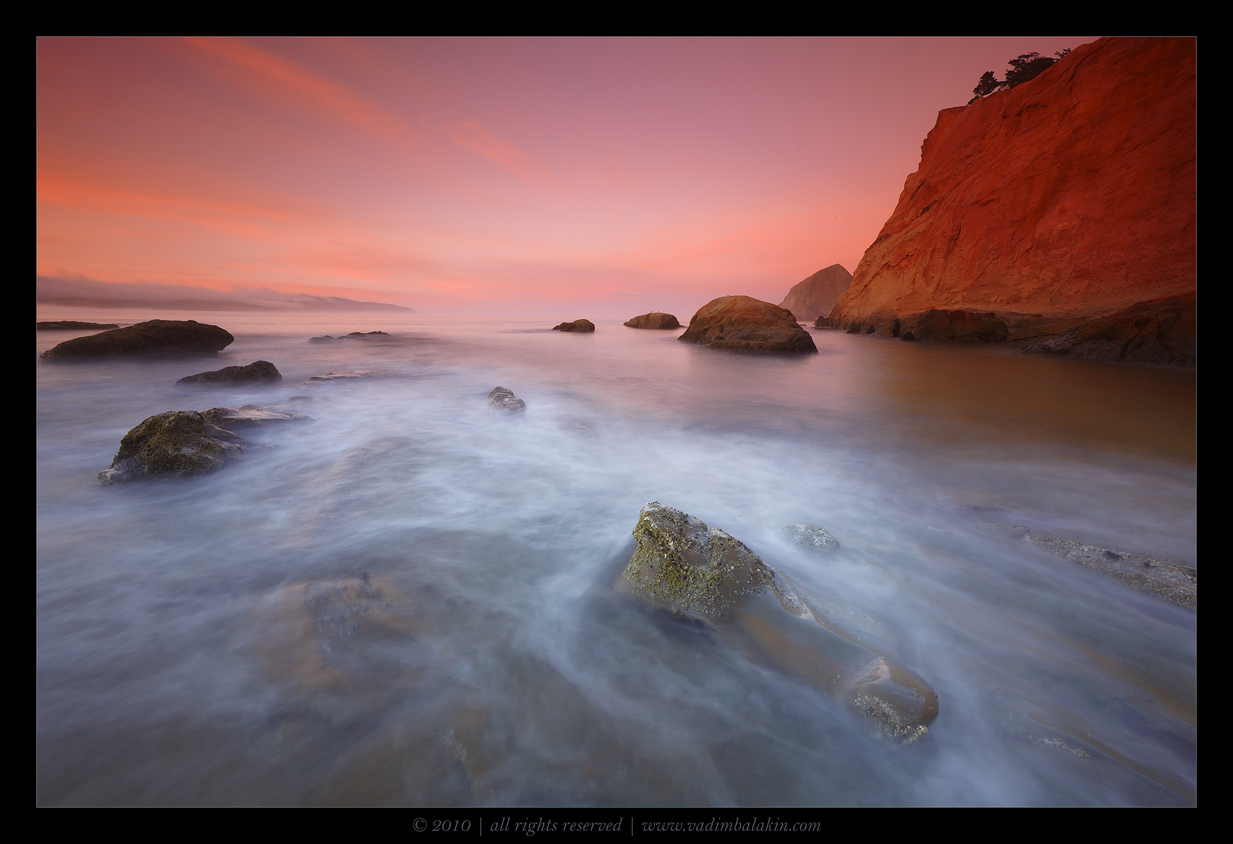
x=170, y=670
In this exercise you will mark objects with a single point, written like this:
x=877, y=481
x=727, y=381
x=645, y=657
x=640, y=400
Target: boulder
x=70, y=325
x=706, y=576
x=654, y=320
x=505, y=400
x=577, y=325
x=261, y=370
x=155, y=338
x=816, y=295
x=1072, y=195
x=1161, y=331
x=176, y=444
x=745, y=324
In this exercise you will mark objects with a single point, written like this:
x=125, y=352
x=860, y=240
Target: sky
x=569, y=177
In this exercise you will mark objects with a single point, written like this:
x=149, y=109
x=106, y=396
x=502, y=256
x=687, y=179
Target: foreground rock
x=581, y=325
x=70, y=325
x=176, y=444
x=1163, y=578
x=816, y=296
x=745, y=324
x=654, y=320
x=261, y=370
x=1161, y=331
x=1022, y=204
x=156, y=338
x=810, y=537
x=702, y=574
x=505, y=400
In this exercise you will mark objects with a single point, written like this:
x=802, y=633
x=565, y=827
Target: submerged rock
x=811, y=537
x=1173, y=581
x=249, y=416
x=157, y=337
x=505, y=400
x=176, y=444
x=745, y=324
x=580, y=325
x=654, y=320
x=260, y=370
x=703, y=574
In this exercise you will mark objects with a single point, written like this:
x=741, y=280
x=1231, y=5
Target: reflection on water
x=196, y=645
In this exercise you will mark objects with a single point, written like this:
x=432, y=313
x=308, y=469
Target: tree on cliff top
x=1022, y=68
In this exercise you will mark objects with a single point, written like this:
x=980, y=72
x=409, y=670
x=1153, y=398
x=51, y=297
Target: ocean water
x=177, y=665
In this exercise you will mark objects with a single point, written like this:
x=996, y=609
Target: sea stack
x=816, y=296
x=1064, y=200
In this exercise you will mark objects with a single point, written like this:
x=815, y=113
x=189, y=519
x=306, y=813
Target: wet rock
x=954, y=326
x=505, y=400
x=176, y=444
x=261, y=370
x=156, y=338
x=354, y=375
x=580, y=325
x=249, y=416
x=822, y=322
x=354, y=335
x=745, y=324
x=71, y=325
x=810, y=537
x=705, y=575
x=1172, y=581
x=654, y=320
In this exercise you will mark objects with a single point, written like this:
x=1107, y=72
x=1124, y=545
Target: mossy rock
x=705, y=575
x=176, y=444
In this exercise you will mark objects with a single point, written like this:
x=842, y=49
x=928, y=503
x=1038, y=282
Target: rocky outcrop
x=354, y=335
x=704, y=575
x=261, y=370
x=654, y=320
x=745, y=324
x=155, y=338
x=816, y=296
x=1064, y=200
x=70, y=325
x=249, y=416
x=1161, y=331
x=176, y=444
x=580, y=325
x=505, y=401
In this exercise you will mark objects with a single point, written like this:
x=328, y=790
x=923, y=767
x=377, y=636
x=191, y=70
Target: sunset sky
x=595, y=178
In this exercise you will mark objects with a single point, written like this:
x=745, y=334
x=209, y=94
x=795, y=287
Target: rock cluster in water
x=157, y=337
x=746, y=324
x=1067, y=199
x=654, y=320
x=579, y=325
x=703, y=574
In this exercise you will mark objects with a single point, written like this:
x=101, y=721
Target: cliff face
x=1065, y=199
x=816, y=295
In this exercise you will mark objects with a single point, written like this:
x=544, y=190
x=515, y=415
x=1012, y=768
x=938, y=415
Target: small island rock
x=71, y=325
x=579, y=325
x=261, y=370
x=654, y=320
x=745, y=324
x=157, y=337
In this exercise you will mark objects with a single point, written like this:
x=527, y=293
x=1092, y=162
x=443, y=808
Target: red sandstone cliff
x=1067, y=198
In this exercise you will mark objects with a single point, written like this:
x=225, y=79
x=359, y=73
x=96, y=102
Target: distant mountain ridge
x=84, y=293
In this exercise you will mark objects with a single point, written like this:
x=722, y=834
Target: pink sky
x=575, y=177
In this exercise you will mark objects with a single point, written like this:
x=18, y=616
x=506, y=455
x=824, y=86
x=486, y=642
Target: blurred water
x=170, y=670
